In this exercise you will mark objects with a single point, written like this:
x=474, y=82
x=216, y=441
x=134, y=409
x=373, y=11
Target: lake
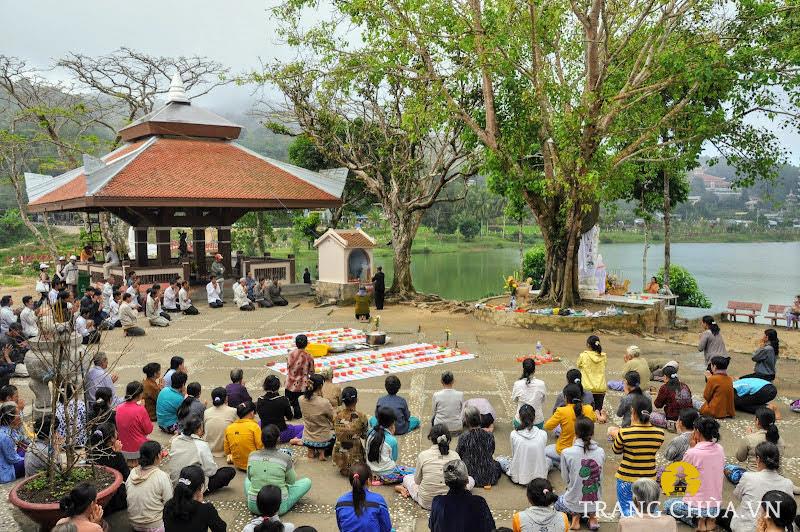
x=768, y=272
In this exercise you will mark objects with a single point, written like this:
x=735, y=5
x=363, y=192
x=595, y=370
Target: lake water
x=768, y=273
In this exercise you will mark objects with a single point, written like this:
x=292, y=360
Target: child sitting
x=582, y=471
x=404, y=421
x=540, y=517
x=383, y=452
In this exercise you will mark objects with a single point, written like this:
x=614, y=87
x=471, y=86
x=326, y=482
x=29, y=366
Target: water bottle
x=539, y=348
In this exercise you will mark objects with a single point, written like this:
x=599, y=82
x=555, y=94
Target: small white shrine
x=345, y=262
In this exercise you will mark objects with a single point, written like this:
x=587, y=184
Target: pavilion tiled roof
x=350, y=238
x=199, y=170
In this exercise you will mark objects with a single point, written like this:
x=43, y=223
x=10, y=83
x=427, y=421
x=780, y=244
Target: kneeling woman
x=273, y=466
x=317, y=411
x=382, y=450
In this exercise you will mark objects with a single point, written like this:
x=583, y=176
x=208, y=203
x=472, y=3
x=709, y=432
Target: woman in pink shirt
x=708, y=457
x=133, y=422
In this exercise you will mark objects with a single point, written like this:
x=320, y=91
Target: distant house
x=720, y=186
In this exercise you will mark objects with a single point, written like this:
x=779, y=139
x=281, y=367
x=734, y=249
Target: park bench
x=743, y=308
x=777, y=312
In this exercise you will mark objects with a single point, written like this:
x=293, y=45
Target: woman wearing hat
x=70, y=273
x=43, y=284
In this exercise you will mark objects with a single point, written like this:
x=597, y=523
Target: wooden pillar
x=162, y=245
x=199, y=248
x=140, y=244
x=241, y=266
x=224, y=241
x=292, y=269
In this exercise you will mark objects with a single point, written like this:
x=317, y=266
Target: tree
x=572, y=95
x=304, y=227
x=684, y=285
x=469, y=227
x=400, y=144
x=355, y=197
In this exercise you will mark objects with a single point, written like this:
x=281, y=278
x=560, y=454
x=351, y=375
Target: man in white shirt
x=7, y=316
x=128, y=316
x=171, y=297
x=133, y=290
x=52, y=296
x=240, y=295
x=112, y=260
x=85, y=327
x=28, y=319
x=184, y=302
x=153, y=308
x=213, y=291
x=113, y=312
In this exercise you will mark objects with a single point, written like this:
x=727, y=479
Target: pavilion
x=180, y=167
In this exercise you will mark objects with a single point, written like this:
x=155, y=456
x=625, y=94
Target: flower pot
x=46, y=515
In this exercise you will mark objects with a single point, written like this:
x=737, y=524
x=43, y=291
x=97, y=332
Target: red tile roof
x=206, y=169
x=193, y=169
x=355, y=239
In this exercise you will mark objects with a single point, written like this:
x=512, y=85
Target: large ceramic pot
x=46, y=515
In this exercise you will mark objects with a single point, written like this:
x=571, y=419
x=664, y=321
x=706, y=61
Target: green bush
x=469, y=228
x=533, y=264
x=684, y=285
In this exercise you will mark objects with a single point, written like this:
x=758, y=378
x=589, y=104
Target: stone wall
x=638, y=319
x=342, y=294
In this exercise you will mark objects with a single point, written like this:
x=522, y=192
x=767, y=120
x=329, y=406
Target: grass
x=68, y=244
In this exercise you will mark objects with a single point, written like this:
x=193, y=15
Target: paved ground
x=491, y=376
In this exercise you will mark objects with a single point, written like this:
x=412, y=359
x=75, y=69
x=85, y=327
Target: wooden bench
x=778, y=312
x=743, y=308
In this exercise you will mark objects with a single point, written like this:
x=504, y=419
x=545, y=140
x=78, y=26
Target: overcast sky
x=237, y=33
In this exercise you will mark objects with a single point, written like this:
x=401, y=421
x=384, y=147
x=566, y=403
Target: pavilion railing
x=148, y=275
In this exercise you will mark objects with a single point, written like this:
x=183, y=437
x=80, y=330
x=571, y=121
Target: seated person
x=184, y=303
x=171, y=296
x=318, y=414
x=214, y=293
x=40, y=452
x=448, y=404
x=14, y=343
x=240, y=298
x=153, y=311
x=12, y=461
x=647, y=515
x=754, y=393
x=677, y=447
x=793, y=312
x=574, y=377
x=84, y=326
x=488, y=414
x=476, y=448
x=169, y=401
x=330, y=391
x=261, y=294
x=273, y=466
x=383, y=451
x=673, y=396
x=189, y=448
x=236, y=390
x=374, y=512
x=652, y=287
x=128, y=316
x=763, y=429
x=191, y=405
x=459, y=509
x=268, y=502
x=105, y=449
x=527, y=460
x=718, y=394
x=216, y=419
x=404, y=421
x=243, y=436
x=275, y=409
x=350, y=427
x=634, y=361
x=275, y=294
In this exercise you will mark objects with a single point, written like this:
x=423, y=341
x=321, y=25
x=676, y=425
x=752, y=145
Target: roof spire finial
x=177, y=91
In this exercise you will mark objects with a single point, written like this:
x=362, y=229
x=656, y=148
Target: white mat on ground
x=273, y=346
x=375, y=363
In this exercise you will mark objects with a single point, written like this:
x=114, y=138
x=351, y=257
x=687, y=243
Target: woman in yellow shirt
x=565, y=417
x=592, y=363
x=243, y=436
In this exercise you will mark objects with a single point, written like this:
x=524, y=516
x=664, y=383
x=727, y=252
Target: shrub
x=533, y=264
x=12, y=228
x=684, y=285
x=469, y=228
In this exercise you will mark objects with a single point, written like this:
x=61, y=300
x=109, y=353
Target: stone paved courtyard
x=491, y=375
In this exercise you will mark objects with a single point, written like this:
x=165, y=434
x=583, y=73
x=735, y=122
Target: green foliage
x=469, y=227
x=12, y=228
x=305, y=228
x=63, y=483
x=533, y=264
x=684, y=285
x=304, y=153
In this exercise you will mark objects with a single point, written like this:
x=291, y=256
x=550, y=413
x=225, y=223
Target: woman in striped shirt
x=638, y=445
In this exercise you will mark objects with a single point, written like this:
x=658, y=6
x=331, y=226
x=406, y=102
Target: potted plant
x=57, y=361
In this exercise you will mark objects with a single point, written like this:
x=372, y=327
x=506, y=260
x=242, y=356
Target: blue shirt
x=748, y=386
x=374, y=516
x=400, y=408
x=169, y=399
x=8, y=456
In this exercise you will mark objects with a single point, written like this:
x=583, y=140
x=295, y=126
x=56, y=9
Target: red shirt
x=298, y=368
x=133, y=426
x=673, y=401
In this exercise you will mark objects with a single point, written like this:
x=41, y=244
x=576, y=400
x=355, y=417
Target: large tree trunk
x=404, y=228
x=336, y=217
x=562, y=234
x=667, y=209
x=644, y=255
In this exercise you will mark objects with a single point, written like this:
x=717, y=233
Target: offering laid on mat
x=273, y=346
x=541, y=359
x=366, y=364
